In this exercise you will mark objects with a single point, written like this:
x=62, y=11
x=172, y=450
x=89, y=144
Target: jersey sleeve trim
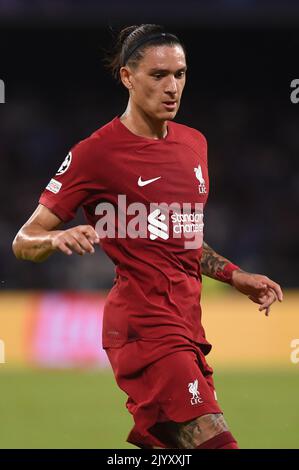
x=64, y=215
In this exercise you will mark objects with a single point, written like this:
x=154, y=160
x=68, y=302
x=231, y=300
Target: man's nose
x=171, y=86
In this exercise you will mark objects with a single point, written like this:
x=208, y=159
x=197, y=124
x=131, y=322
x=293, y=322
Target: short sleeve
x=203, y=144
x=70, y=186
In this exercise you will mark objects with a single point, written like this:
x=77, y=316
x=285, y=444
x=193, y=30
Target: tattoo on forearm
x=211, y=263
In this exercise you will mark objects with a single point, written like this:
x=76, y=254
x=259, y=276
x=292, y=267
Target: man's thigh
x=165, y=396
x=182, y=386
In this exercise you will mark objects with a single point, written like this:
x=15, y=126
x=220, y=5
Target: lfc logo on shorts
x=196, y=398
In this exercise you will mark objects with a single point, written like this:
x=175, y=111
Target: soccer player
x=152, y=329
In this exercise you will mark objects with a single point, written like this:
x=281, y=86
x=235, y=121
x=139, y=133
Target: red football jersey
x=113, y=174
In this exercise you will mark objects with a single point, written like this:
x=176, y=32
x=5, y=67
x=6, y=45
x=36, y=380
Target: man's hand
x=260, y=289
x=79, y=239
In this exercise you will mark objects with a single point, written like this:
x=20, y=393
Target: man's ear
x=125, y=76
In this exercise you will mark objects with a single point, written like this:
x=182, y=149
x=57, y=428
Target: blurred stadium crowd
x=218, y=11
x=250, y=124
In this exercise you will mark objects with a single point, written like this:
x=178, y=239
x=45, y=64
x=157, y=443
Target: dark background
x=241, y=62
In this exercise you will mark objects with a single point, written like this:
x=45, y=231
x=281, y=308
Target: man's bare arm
x=213, y=265
x=39, y=237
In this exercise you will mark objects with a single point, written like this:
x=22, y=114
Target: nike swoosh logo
x=145, y=182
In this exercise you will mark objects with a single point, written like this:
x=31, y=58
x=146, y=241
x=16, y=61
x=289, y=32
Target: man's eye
x=181, y=74
x=157, y=75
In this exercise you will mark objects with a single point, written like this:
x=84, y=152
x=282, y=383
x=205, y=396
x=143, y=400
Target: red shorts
x=165, y=380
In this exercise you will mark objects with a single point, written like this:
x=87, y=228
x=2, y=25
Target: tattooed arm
x=260, y=289
x=216, y=266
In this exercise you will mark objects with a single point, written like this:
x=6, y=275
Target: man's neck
x=142, y=125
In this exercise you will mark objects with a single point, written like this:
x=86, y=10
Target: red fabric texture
x=157, y=286
x=165, y=380
x=225, y=275
x=230, y=445
x=224, y=440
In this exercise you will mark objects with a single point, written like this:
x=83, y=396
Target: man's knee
x=208, y=431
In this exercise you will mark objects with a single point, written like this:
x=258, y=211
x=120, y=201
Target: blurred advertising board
x=64, y=329
x=52, y=329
